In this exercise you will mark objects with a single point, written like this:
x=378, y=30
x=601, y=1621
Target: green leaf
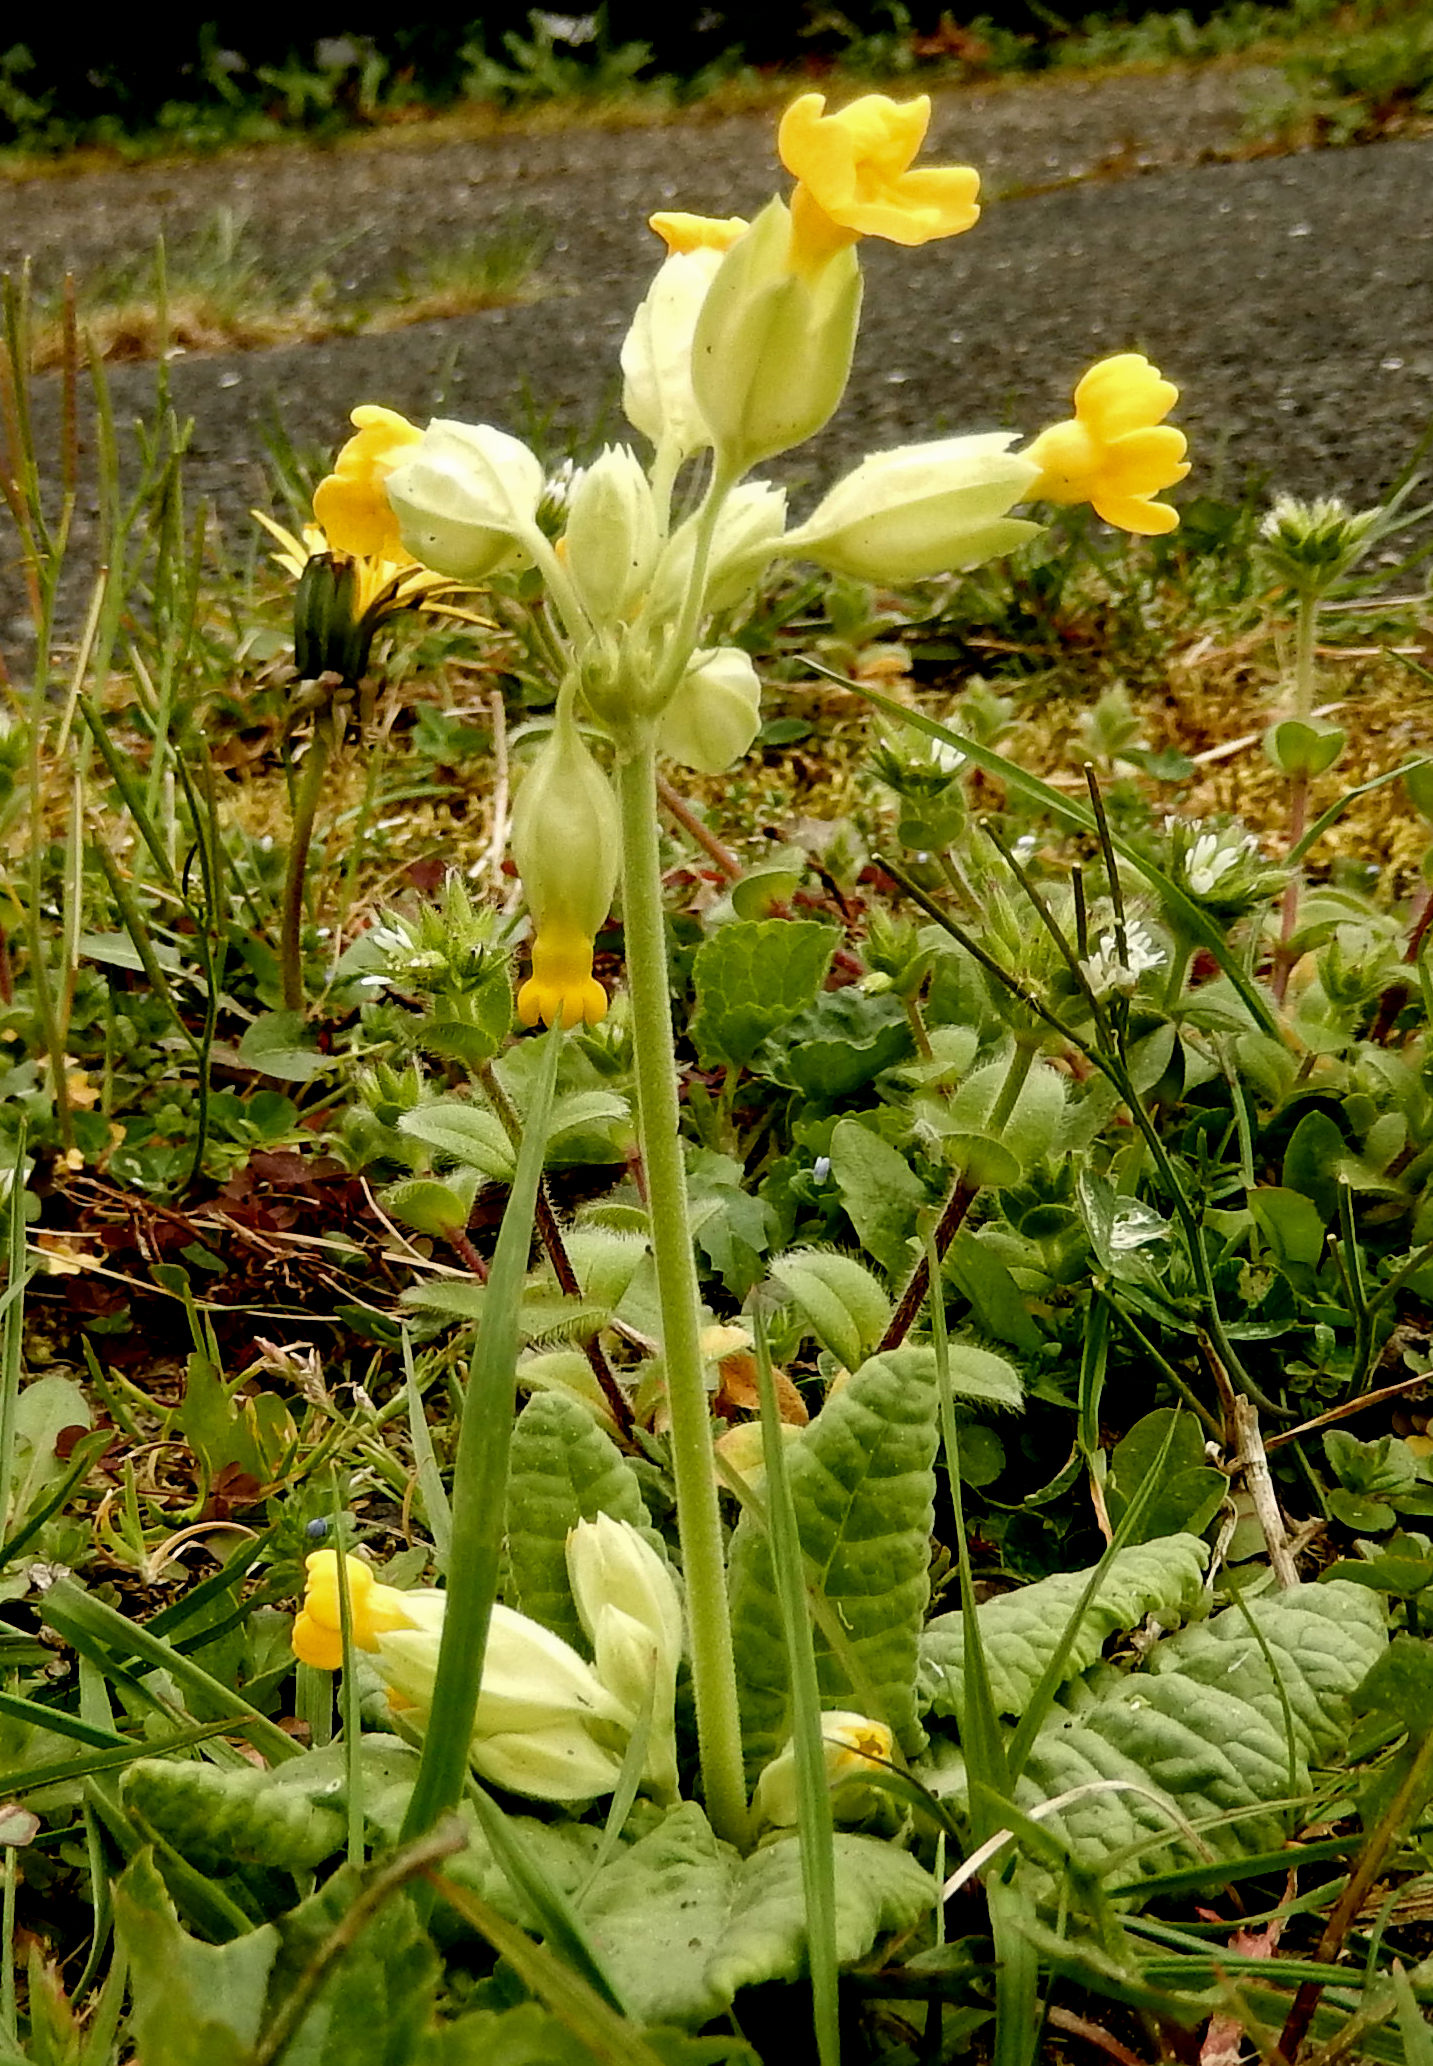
x=880, y=1192
x=219, y=1817
x=846, y=1307
x=1022, y=1629
x=44, y=1408
x=275, y=1045
x=376, y=2002
x=682, y=1922
x=466, y=1133
x=863, y=1485
x=1290, y=1223
x=842, y=1043
x=1217, y=1730
x=998, y=1308
x=1032, y=1130
x=433, y=1207
x=1313, y=1159
x=563, y=1470
x=753, y=977
x=194, y=2004
x=1189, y=1493
x=878, y=1889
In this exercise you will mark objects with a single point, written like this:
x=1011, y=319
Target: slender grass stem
x=698, y=1515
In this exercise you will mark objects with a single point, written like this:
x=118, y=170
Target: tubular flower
x=374, y=1609
x=1115, y=452
x=350, y=504
x=854, y=179
x=856, y=1748
x=566, y=839
x=657, y=351
x=631, y=1613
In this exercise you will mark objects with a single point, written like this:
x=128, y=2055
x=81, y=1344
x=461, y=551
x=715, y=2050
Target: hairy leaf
x=564, y=1469
x=1201, y=1736
x=1022, y=1629
x=753, y=977
x=843, y=1303
x=682, y=1922
x=863, y=1484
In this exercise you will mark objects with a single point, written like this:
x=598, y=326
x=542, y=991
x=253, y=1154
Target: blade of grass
x=436, y=1510
x=1193, y=918
x=74, y=1613
x=815, y=1824
x=14, y=1320
x=1017, y=1968
x=610, y=2037
x=557, y=1917
x=480, y=1481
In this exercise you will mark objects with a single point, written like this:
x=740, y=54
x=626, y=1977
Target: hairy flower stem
x=291, y=955
x=1304, y=686
x=698, y=1516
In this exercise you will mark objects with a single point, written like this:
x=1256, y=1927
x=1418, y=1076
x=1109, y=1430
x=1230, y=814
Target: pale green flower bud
x=747, y=534
x=561, y=1764
x=715, y=713
x=465, y=498
x=657, y=353
x=855, y=1748
x=920, y=509
x=567, y=843
x=772, y=351
x=539, y=1700
x=628, y=1604
x=612, y=535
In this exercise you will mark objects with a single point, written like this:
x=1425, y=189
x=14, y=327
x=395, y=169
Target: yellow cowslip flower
x=350, y=503
x=685, y=233
x=374, y=1610
x=856, y=1749
x=567, y=842
x=562, y=985
x=1115, y=452
x=854, y=177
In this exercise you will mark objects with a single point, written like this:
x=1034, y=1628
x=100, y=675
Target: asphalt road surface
x=1291, y=298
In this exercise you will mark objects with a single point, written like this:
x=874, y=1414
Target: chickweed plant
x=630, y=1441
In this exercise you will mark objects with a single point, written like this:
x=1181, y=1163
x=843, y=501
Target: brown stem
x=957, y=1205
x=1421, y=922
x=550, y=1233
x=677, y=807
x=1390, y=1826
x=466, y=1250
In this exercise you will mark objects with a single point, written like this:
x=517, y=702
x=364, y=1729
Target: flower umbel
x=350, y=504
x=1116, y=452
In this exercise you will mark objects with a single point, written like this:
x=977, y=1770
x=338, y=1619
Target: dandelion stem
x=291, y=958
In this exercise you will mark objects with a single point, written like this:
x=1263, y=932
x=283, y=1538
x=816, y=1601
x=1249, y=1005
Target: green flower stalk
x=741, y=349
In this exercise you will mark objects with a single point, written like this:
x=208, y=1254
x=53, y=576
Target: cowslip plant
x=740, y=351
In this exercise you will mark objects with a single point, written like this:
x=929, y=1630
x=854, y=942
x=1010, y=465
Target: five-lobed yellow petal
x=374, y=1609
x=562, y=986
x=350, y=504
x=1115, y=452
x=854, y=177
